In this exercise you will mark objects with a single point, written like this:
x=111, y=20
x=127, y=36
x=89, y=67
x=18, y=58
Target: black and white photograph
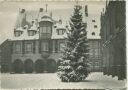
x=63, y=44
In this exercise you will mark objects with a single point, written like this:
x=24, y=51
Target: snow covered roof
x=33, y=18
x=32, y=23
x=33, y=27
x=45, y=16
x=46, y=19
x=55, y=34
x=19, y=29
x=60, y=26
x=25, y=36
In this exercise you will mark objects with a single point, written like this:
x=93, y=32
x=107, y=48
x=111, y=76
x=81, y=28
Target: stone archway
x=51, y=65
x=39, y=66
x=28, y=66
x=18, y=66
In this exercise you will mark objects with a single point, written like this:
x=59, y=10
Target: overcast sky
x=63, y=10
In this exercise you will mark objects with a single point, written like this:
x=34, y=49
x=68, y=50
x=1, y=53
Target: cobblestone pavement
x=50, y=80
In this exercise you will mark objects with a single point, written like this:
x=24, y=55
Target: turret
x=45, y=24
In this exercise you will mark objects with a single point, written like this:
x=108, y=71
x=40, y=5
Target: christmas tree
x=73, y=64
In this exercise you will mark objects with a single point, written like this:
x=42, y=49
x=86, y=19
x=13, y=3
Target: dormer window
x=31, y=32
x=17, y=33
x=60, y=31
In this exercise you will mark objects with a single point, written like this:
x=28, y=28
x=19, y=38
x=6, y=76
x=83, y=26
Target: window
x=45, y=29
x=95, y=26
x=17, y=34
x=61, y=46
x=28, y=47
x=31, y=33
x=44, y=46
x=93, y=33
x=96, y=52
x=17, y=48
x=60, y=31
x=93, y=21
x=48, y=29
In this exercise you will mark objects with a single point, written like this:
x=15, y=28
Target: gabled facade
x=37, y=45
x=38, y=42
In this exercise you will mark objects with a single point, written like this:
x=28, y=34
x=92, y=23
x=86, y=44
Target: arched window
x=39, y=66
x=28, y=66
x=17, y=66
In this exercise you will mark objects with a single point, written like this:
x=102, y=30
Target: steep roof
x=33, y=18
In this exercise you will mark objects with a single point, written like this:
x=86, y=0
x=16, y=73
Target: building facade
x=5, y=55
x=113, y=34
x=38, y=43
x=94, y=40
x=95, y=58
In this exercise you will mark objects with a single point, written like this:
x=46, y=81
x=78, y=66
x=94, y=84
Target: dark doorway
x=18, y=66
x=39, y=66
x=28, y=66
x=51, y=65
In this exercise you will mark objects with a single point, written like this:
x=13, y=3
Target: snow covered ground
x=50, y=80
